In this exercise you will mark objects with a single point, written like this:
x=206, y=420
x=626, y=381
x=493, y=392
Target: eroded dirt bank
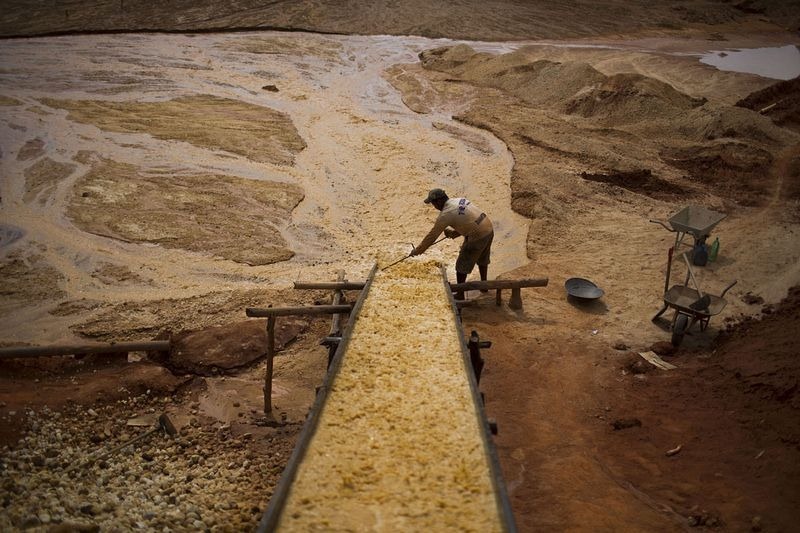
x=496, y=21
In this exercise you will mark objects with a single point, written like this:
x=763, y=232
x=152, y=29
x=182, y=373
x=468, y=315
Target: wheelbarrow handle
x=691, y=273
x=657, y=221
x=734, y=282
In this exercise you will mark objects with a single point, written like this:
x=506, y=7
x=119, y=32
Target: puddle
x=9, y=234
x=781, y=63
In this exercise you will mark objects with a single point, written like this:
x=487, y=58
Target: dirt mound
x=763, y=357
x=256, y=132
x=780, y=102
x=733, y=170
x=451, y=59
x=627, y=98
x=218, y=349
x=200, y=213
x=540, y=82
x=730, y=416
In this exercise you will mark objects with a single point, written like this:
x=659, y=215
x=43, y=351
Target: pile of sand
x=256, y=132
x=200, y=213
x=567, y=119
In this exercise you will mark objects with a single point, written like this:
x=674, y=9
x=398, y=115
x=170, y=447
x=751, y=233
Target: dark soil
x=735, y=412
x=639, y=181
x=736, y=171
x=591, y=440
x=780, y=102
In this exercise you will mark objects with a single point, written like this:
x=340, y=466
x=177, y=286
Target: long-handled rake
x=409, y=255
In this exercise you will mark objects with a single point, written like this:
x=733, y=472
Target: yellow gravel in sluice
x=398, y=445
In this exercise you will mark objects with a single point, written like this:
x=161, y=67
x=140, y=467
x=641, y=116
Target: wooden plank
x=499, y=284
x=302, y=310
x=66, y=349
x=270, y=363
x=655, y=360
x=337, y=300
x=330, y=285
x=466, y=286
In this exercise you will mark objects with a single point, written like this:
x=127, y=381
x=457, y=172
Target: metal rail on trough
x=271, y=518
x=272, y=515
x=501, y=494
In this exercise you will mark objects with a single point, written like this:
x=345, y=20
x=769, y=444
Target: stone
x=88, y=508
x=207, y=351
x=31, y=521
x=663, y=348
x=74, y=527
x=37, y=460
x=625, y=423
x=270, y=87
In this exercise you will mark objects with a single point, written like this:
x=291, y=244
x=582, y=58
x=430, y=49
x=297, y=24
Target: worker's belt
x=480, y=218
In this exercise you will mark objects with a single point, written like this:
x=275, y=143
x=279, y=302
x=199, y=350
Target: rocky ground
x=204, y=478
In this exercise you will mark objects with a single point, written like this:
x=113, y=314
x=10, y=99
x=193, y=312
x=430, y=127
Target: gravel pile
x=203, y=479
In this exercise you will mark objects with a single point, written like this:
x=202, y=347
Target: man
x=465, y=219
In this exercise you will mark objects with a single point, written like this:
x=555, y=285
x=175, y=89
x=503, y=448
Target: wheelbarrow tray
x=696, y=220
x=681, y=298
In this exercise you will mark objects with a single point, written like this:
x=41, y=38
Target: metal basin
x=583, y=289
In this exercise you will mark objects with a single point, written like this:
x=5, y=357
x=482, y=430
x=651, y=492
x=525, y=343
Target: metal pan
x=583, y=289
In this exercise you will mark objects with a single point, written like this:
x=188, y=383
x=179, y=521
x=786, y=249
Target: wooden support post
x=336, y=329
x=474, y=345
x=270, y=358
x=516, y=298
x=499, y=297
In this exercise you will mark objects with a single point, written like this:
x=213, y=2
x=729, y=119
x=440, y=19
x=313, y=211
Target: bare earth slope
x=462, y=19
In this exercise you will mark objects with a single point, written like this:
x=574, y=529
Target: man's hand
x=451, y=233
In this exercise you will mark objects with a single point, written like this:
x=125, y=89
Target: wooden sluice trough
x=397, y=439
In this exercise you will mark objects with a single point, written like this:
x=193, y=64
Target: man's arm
x=430, y=238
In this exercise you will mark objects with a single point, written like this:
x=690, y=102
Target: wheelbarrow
x=694, y=220
x=690, y=304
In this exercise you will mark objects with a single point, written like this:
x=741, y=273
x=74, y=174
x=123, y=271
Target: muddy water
x=369, y=160
x=781, y=63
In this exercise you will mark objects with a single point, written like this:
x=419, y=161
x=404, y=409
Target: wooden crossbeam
x=300, y=310
x=466, y=286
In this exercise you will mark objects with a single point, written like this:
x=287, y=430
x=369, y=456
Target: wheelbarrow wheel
x=679, y=329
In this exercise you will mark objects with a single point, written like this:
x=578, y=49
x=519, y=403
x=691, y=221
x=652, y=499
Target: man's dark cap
x=434, y=195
